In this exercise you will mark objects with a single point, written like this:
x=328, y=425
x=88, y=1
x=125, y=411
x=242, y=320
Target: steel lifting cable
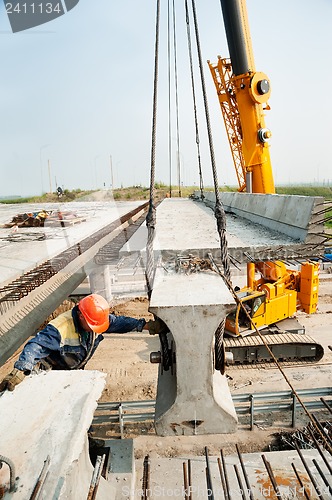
x=238, y=301
x=176, y=103
x=151, y=216
x=219, y=209
x=169, y=96
x=201, y=184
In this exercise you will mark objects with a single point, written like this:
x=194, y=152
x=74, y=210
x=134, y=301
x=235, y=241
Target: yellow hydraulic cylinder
x=255, y=135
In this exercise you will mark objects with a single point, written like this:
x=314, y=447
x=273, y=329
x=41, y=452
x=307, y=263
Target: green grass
x=162, y=190
x=326, y=192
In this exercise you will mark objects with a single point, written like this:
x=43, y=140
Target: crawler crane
x=278, y=292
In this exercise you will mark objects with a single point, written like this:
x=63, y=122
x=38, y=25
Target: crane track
x=289, y=348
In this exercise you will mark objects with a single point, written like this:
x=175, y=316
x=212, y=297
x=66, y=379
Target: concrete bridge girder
x=192, y=398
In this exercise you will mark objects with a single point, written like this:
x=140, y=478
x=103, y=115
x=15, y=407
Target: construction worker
x=69, y=341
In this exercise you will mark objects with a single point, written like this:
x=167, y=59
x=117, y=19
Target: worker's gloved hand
x=156, y=326
x=14, y=378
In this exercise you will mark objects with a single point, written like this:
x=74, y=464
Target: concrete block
x=48, y=415
x=192, y=398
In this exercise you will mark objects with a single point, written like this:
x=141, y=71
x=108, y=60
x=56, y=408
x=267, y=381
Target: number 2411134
x=33, y=8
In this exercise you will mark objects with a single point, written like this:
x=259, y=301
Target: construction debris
x=43, y=217
x=306, y=438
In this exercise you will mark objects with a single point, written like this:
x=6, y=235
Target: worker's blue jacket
x=65, y=345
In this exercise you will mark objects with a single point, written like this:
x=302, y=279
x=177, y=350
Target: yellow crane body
x=276, y=295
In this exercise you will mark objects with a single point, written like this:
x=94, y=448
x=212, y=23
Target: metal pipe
x=326, y=404
x=322, y=475
x=312, y=479
x=244, y=473
x=251, y=412
x=121, y=421
x=300, y=482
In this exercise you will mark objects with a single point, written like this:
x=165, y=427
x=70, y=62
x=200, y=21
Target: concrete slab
x=22, y=314
x=48, y=415
x=185, y=226
x=166, y=478
x=18, y=257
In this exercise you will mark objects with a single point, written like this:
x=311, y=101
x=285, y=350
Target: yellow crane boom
x=242, y=93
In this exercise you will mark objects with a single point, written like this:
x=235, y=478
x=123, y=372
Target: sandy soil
x=131, y=376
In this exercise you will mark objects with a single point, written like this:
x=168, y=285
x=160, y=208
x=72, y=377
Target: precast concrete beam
x=192, y=398
x=185, y=226
x=44, y=426
x=291, y=215
x=21, y=318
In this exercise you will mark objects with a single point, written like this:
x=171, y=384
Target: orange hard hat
x=95, y=310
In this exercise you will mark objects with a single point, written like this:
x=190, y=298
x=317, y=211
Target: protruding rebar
x=271, y=476
x=208, y=475
x=222, y=478
x=239, y=481
x=244, y=473
x=322, y=475
x=312, y=479
x=300, y=482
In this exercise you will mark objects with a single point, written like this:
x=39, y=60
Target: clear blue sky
x=79, y=89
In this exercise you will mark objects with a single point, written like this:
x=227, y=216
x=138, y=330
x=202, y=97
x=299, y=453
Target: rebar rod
x=239, y=481
x=185, y=479
x=37, y=491
x=146, y=478
x=322, y=475
x=321, y=428
x=97, y=471
x=326, y=404
x=208, y=475
x=190, y=479
x=222, y=479
x=271, y=476
x=312, y=479
x=244, y=473
x=225, y=474
x=298, y=477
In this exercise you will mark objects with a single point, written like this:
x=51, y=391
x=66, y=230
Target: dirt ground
x=131, y=376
